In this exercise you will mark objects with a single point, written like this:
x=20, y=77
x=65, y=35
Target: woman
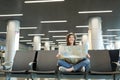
x=65, y=66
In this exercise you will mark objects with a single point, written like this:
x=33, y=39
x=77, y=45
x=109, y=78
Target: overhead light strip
x=81, y=33
x=113, y=29
x=58, y=36
x=42, y=1
x=36, y=34
x=61, y=40
x=85, y=12
x=57, y=21
x=7, y=15
x=44, y=38
x=58, y=31
x=3, y=32
x=109, y=35
x=82, y=26
x=25, y=40
x=28, y=27
x=21, y=37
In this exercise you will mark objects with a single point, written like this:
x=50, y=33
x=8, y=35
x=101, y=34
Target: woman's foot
x=82, y=69
x=64, y=69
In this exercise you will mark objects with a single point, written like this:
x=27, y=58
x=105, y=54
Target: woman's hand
x=88, y=55
x=58, y=55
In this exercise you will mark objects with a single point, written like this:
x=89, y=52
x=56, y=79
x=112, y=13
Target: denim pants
x=85, y=62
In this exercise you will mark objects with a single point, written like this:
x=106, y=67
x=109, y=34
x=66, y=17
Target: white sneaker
x=62, y=69
x=83, y=69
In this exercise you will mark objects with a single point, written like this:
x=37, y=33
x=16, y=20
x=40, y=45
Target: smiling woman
x=66, y=66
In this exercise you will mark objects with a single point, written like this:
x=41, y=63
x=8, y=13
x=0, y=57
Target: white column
x=95, y=33
x=52, y=47
x=36, y=43
x=47, y=45
x=12, y=41
x=117, y=44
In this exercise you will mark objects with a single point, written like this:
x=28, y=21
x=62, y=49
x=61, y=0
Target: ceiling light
x=28, y=27
x=61, y=40
x=52, y=43
x=117, y=37
x=57, y=21
x=109, y=35
x=29, y=43
x=7, y=15
x=84, y=12
x=58, y=31
x=47, y=41
x=113, y=29
x=3, y=32
x=36, y=34
x=80, y=33
x=58, y=36
x=105, y=39
x=82, y=26
x=42, y=1
x=79, y=38
x=25, y=40
x=21, y=37
x=44, y=38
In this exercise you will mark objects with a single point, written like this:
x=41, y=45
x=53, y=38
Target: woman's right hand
x=58, y=55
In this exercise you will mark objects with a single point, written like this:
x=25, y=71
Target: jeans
x=85, y=62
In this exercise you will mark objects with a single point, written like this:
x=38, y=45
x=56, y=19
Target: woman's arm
x=88, y=55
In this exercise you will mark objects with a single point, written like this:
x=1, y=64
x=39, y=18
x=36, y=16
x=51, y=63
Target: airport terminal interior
x=32, y=27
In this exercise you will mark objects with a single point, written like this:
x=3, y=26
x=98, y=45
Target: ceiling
x=66, y=10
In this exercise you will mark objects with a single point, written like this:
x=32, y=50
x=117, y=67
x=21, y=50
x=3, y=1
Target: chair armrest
x=31, y=65
x=6, y=66
x=117, y=63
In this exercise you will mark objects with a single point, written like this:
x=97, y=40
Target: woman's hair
x=68, y=36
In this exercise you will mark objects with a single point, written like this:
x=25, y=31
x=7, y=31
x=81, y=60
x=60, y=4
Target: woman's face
x=71, y=39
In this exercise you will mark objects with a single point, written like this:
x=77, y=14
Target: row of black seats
x=45, y=66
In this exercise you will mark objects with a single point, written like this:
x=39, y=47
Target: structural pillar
x=95, y=33
x=117, y=44
x=12, y=41
x=47, y=45
x=36, y=43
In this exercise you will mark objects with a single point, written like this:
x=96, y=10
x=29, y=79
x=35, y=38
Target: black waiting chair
x=46, y=65
x=20, y=65
x=101, y=62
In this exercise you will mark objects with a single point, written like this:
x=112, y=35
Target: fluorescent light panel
x=109, y=35
x=82, y=26
x=57, y=21
x=28, y=27
x=58, y=36
x=80, y=33
x=29, y=43
x=7, y=15
x=25, y=40
x=43, y=1
x=85, y=12
x=58, y=31
x=113, y=29
x=21, y=37
x=44, y=38
x=36, y=34
x=47, y=41
x=61, y=40
x=3, y=32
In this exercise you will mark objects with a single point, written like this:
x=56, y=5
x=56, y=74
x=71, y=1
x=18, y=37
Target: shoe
x=62, y=69
x=82, y=69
